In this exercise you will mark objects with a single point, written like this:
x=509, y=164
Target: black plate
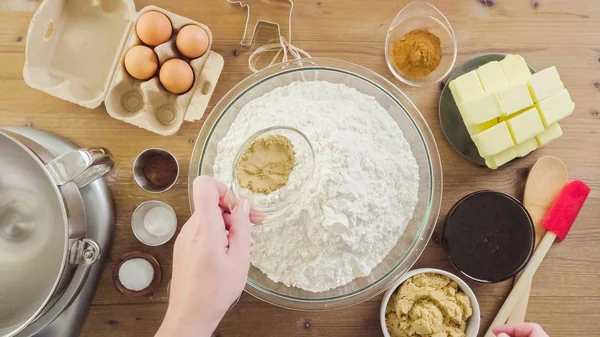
x=452, y=124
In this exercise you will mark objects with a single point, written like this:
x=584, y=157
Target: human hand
x=520, y=330
x=211, y=260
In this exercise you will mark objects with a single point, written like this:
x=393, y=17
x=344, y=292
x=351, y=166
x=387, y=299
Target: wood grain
x=566, y=295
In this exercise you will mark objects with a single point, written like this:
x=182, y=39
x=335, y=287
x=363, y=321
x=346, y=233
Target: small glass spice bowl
x=420, y=15
x=271, y=206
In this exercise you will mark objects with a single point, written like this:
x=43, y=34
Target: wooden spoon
x=558, y=221
x=545, y=181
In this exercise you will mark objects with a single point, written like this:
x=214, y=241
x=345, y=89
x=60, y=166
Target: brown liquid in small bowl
x=489, y=236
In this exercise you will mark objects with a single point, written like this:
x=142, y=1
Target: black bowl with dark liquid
x=489, y=236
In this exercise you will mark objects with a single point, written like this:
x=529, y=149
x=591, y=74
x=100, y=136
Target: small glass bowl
x=273, y=205
x=423, y=16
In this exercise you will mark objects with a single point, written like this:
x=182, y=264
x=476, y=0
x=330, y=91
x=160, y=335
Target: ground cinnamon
x=418, y=53
x=160, y=170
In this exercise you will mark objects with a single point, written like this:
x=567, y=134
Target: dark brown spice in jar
x=160, y=170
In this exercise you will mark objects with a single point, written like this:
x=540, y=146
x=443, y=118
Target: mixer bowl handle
x=81, y=166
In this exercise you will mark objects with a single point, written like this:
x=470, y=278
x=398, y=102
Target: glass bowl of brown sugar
x=420, y=47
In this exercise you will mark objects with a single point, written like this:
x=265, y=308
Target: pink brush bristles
x=562, y=214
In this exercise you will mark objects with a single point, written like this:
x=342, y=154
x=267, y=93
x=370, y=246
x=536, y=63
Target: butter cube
x=515, y=114
x=545, y=83
x=515, y=69
x=526, y=147
x=555, y=107
x=501, y=158
x=525, y=126
x=489, y=162
x=479, y=128
x=493, y=140
x=466, y=87
x=481, y=109
x=551, y=133
x=515, y=97
x=491, y=76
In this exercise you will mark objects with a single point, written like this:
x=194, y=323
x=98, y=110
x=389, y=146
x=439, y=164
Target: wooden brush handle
x=520, y=310
x=523, y=282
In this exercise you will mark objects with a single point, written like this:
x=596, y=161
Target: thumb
x=240, y=230
x=503, y=335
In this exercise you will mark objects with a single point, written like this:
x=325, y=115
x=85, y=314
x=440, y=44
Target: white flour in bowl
x=362, y=195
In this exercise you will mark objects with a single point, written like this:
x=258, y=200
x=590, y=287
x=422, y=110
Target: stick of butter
x=525, y=126
x=515, y=97
x=493, y=140
x=479, y=128
x=526, y=147
x=544, y=84
x=491, y=76
x=501, y=158
x=551, y=133
x=515, y=69
x=466, y=87
x=555, y=107
x=481, y=109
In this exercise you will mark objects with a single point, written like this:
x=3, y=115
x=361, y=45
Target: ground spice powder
x=160, y=170
x=266, y=164
x=418, y=53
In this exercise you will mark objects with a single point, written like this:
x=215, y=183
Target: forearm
x=174, y=326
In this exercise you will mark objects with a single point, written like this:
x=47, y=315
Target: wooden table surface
x=566, y=293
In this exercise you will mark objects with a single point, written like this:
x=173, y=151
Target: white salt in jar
x=137, y=274
x=154, y=223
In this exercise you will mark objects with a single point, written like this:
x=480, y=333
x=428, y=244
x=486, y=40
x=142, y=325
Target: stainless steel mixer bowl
x=44, y=253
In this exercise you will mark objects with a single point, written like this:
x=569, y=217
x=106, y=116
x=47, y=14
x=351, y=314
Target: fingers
x=520, y=330
x=222, y=188
x=208, y=194
x=240, y=230
x=228, y=219
x=209, y=190
x=256, y=217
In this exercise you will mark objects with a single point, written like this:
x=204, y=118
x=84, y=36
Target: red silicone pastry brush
x=558, y=221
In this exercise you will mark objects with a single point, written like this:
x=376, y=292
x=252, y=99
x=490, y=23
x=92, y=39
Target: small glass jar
x=271, y=206
x=422, y=16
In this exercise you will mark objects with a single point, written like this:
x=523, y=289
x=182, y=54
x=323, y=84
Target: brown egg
x=141, y=62
x=153, y=28
x=176, y=76
x=192, y=41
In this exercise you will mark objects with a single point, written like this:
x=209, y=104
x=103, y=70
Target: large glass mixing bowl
x=419, y=229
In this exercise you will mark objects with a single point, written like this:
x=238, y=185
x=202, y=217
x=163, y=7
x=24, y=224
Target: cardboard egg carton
x=75, y=51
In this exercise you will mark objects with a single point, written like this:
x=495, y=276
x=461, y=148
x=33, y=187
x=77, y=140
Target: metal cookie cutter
x=257, y=14
x=255, y=17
